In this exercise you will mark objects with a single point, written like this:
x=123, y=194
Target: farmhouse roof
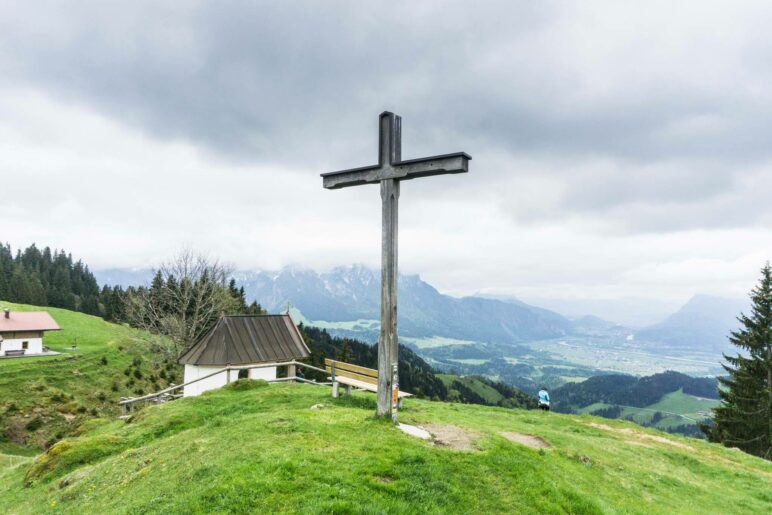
x=17, y=321
x=248, y=339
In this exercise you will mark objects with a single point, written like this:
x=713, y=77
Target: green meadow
x=256, y=448
x=44, y=398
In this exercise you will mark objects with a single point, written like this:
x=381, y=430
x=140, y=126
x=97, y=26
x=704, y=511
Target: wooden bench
x=354, y=376
x=19, y=352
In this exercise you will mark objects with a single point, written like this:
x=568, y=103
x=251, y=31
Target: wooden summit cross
x=389, y=172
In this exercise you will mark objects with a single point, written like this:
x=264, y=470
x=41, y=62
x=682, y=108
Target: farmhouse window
x=25, y=345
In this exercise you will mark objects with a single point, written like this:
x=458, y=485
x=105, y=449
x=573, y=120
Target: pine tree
x=345, y=352
x=255, y=309
x=744, y=418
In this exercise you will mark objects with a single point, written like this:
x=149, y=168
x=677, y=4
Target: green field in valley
x=436, y=341
x=685, y=404
x=263, y=449
x=676, y=408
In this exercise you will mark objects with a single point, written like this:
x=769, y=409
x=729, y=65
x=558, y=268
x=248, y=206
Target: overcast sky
x=620, y=149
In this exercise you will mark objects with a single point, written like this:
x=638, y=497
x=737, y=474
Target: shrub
x=82, y=409
x=103, y=361
x=39, y=386
x=102, y=396
x=247, y=384
x=115, y=387
x=34, y=424
x=70, y=407
x=137, y=361
x=137, y=373
x=127, y=372
x=11, y=408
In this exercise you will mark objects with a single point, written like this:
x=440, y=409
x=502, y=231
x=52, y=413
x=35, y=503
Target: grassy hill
x=262, y=449
x=481, y=390
x=43, y=399
x=669, y=401
x=490, y=394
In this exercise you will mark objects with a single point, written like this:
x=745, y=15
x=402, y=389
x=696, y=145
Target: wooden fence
x=175, y=392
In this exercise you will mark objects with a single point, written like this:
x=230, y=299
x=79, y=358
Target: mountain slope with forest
x=669, y=401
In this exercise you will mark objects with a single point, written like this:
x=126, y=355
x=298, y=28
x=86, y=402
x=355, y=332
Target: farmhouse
x=241, y=340
x=21, y=333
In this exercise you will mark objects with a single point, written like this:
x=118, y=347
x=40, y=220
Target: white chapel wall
x=193, y=372
x=267, y=373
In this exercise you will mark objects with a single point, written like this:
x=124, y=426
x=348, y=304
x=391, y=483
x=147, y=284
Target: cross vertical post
x=390, y=171
x=388, y=345
x=389, y=152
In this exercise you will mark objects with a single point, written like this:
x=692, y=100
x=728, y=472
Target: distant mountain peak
x=703, y=323
x=352, y=292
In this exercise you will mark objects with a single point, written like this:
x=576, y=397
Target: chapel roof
x=248, y=339
x=18, y=321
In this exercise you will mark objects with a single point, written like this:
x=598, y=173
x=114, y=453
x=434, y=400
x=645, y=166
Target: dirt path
x=640, y=436
x=537, y=442
x=452, y=437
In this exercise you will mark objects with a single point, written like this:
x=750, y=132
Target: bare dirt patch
x=641, y=436
x=536, y=442
x=452, y=437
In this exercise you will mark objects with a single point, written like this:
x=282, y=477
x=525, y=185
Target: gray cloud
x=594, y=120
x=267, y=80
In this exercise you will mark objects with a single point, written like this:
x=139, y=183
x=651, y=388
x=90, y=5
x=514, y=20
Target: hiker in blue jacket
x=544, y=400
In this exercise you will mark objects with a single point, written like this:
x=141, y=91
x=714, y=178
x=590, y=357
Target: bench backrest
x=341, y=368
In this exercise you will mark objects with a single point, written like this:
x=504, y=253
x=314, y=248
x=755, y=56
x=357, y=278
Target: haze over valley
x=506, y=339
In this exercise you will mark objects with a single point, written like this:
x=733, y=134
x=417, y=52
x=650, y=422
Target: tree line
x=48, y=278
x=185, y=298
x=415, y=375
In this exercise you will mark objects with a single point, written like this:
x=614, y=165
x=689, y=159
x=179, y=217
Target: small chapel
x=241, y=340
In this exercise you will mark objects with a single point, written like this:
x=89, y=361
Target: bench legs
x=336, y=389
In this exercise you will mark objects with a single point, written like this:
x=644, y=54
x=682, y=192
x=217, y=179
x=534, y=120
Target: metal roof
x=18, y=321
x=248, y=339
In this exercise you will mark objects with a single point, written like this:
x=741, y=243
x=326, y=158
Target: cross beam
x=389, y=172
x=390, y=164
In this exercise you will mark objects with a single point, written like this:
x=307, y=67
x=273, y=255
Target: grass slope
x=263, y=450
x=44, y=398
x=491, y=395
